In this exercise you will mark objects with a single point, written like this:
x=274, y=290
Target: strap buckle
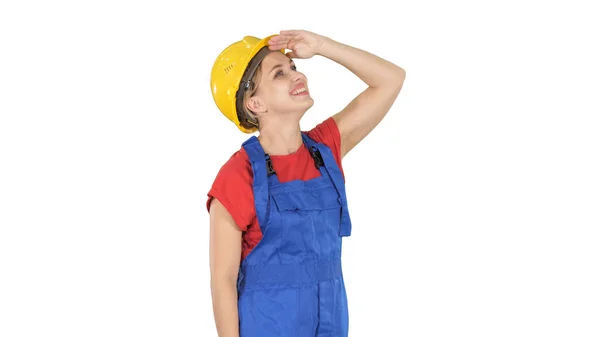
x=316, y=154
x=270, y=169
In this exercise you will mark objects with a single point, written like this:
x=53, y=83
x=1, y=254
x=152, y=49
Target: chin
x=307, y=102
x=310, y=102
x=305, y=108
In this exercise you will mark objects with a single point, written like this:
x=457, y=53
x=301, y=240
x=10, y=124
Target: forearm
x=225, y=309
x=371, y=69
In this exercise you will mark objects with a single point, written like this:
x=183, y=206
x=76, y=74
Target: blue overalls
x=291, y=283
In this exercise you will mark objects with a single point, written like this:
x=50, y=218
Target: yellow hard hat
x=236, y=64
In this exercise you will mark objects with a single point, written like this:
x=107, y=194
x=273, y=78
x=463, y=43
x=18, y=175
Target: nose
x=297, y=76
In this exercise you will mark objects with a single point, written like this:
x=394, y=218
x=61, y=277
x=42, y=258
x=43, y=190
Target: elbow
x=401, y=73
x=398, y=78
x=226, y=275
x=223, y=275
x=394, y=78
x=223, y=283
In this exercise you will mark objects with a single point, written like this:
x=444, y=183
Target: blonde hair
x=246, y=117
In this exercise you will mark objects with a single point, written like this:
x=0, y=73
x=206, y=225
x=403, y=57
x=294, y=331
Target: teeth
x=296, y=92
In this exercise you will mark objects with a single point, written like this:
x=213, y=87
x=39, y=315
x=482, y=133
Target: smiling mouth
x=299, y=90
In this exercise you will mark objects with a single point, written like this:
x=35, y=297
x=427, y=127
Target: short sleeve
x=233, y=188
x=327, y=132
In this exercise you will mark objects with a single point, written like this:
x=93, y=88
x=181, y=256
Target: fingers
x=277, y=42
x=286, y=36
x=290, y=32
x=274, y=46
x=285, y=40
x=278, y=46
x=278, y=39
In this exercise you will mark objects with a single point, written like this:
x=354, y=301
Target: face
x=282, y=91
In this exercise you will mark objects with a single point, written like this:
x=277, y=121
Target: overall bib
x=291, y=283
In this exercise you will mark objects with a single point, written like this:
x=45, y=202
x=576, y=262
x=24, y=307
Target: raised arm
x=366, y=110
x=225, y=252
x=384, y=80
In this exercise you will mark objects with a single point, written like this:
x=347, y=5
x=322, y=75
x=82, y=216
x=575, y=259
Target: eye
x=294, y=67
x=279, y=73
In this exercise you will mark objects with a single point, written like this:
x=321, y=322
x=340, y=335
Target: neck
x=278, y=140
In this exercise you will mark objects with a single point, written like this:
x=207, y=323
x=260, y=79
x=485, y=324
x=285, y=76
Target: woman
x=278, y=207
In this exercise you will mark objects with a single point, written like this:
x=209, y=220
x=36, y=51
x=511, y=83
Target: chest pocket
x=306, y=200
x=309, y=221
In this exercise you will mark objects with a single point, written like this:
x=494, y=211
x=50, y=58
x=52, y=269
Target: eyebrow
x=279, y=66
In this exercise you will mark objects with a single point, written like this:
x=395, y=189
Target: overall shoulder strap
x=324, y=158
x=261, y=170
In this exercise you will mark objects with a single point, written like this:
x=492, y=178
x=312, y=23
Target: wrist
x=325, y=45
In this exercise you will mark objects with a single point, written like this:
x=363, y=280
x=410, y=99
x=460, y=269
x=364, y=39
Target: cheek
x=277, y=95
x=280, y=93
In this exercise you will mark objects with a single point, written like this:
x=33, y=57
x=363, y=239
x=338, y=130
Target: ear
x=255, y=105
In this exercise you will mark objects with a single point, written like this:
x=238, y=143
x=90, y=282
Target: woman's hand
x=303, y=44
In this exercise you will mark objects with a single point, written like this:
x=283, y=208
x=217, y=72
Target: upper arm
x=225, y=243
x=230, y=206
x=365, y=112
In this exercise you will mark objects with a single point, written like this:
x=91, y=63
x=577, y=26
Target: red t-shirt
x=233, y=184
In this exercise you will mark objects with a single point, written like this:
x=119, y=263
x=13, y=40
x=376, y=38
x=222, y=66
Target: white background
x=475, y=203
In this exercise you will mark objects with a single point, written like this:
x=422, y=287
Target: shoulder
x=237, y=166
x=233, y=188
x=325, y=132
x=328, y=133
